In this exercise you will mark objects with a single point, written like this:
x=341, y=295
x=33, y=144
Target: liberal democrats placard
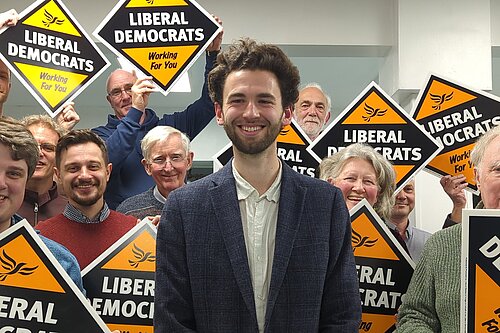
x=161, y=38
x=456, y=117
x=51, y=54
x=384, y=269
x=375, y=119
x=36, y=293
x=120, y=282
x=480, y=306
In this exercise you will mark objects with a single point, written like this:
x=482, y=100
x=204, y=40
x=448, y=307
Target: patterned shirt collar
x=15, y=218
x=158, y=196
x=409, y=229
x=74, y=214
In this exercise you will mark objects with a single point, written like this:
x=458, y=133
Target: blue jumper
x=123, y=140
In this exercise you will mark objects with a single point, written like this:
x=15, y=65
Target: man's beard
x=311, y=129
x=399, y=213
x=253, y=148
x=87, y=200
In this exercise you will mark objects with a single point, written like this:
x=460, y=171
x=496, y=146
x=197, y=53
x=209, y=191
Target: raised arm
x=454, y=187
x=9, y=18
x=198, y=114
x=68, y=117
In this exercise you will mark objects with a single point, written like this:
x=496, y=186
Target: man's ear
x=476, y=178
x=190, y=158
x=327, y=117
x=146, y=166
x=58, y=175
x=109, y=167
x=331, y=180
x=287, y=115
x=219, y=115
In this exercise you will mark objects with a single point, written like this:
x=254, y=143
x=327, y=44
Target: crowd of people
x=254, y=247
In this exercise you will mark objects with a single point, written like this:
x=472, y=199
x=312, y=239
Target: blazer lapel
x=291, y=203
x=224, y=200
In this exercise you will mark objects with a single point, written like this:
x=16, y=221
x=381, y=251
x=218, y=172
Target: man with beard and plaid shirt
x=87, y=227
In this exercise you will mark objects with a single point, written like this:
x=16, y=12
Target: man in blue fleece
x=132, y=120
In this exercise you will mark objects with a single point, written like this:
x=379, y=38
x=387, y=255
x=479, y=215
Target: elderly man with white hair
x=167, y=159
x=312, y=109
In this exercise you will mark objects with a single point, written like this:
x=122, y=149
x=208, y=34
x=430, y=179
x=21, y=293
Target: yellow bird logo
x=284, y=132
x=12, y=267
x=51, y=19
x=440, y=99
x=372, y=112
x=140, y=257
x=361, y=241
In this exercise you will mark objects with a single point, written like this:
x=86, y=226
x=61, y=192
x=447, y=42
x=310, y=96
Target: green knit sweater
x=432, y=302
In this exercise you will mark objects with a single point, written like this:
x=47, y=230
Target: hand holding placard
x=9, y=18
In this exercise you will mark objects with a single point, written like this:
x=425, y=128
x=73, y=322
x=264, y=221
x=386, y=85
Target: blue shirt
x=414, y=239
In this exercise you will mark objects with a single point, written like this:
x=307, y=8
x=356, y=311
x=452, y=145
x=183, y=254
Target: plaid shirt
x=74, y=214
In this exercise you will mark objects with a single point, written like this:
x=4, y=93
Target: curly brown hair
x=248, y=54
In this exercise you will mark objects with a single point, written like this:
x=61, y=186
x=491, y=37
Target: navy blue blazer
x=203, y=281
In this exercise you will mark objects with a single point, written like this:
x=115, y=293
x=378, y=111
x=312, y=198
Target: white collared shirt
x=158, y=196
x=259, y=216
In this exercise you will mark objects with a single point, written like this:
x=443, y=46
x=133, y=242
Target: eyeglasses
x=47, y=147
x=117, y=92
x=175, y=161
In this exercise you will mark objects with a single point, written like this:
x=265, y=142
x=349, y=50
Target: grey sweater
x=141, y=205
